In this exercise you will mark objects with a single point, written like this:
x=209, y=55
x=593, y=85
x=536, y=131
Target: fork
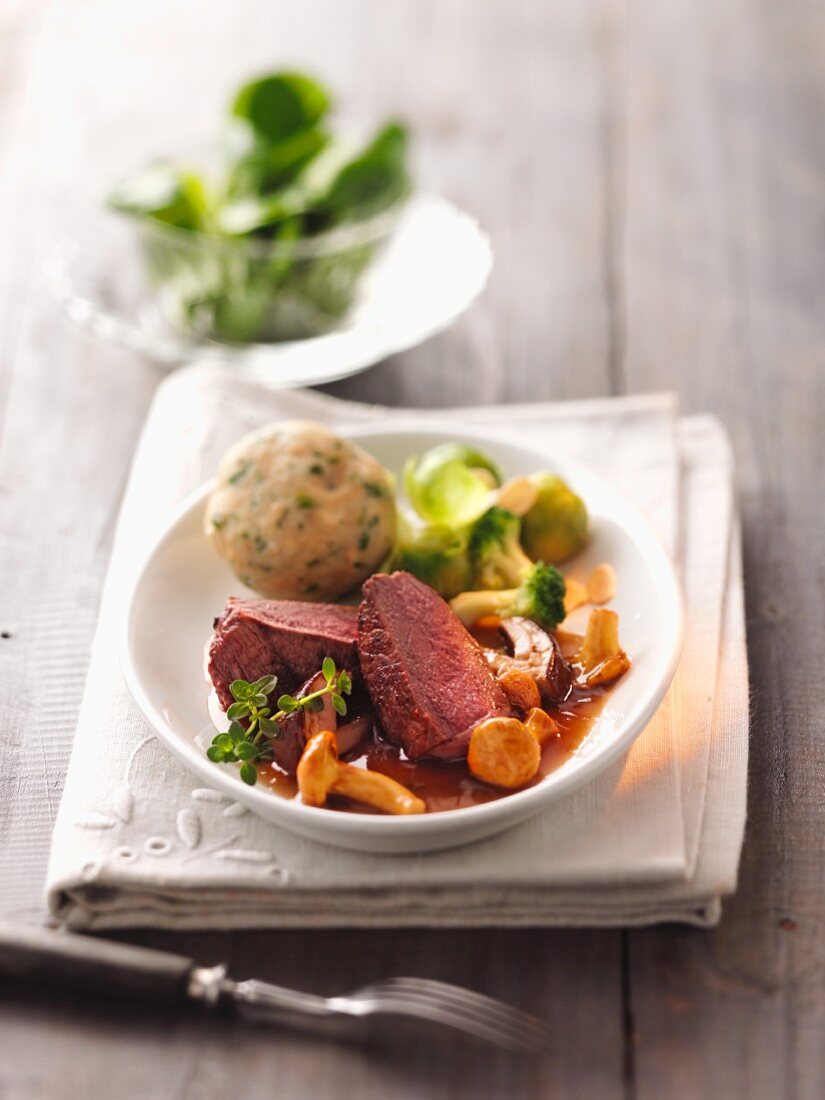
x=107, y=967
x=420, y=998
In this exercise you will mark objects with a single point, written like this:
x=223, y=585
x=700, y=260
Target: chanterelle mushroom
x=601, y=655
x=534, y=651
x=503, y=752
x=320, y=773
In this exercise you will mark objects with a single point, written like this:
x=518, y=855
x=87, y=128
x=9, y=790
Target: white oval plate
x=183, y=584
x=435, y=265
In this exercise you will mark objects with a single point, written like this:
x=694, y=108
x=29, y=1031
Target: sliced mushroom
x=297, y=728
x=520, y=688
x=534, y=651
x=350, y=735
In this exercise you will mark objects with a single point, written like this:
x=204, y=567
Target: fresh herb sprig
x=251, y=743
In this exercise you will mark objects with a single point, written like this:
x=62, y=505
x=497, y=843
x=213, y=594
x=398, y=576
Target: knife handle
x=84, y=963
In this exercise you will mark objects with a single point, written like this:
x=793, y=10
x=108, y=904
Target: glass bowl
x=435, y=264
x=240, y=291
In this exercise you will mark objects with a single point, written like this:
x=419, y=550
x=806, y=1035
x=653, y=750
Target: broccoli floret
x=438, y=556
x=539, y=597
x=496, y=553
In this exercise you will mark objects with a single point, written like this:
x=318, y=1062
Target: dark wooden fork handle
x=40, y=956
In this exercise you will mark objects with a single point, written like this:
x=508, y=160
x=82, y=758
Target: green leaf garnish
x=249, y=773
x=266, y=684
x=247, y=745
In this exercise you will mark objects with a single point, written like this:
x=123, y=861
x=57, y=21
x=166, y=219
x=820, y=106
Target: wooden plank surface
x=653, y=180
x=726, y=299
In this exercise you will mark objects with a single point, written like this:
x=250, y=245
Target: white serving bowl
x=183, y=584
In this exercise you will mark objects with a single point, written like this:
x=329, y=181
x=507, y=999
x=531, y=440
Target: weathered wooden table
x=653, y=177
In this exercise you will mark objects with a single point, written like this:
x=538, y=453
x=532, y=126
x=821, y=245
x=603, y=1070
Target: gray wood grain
x=726, y=300
x=175, y=1055
x=652, y=179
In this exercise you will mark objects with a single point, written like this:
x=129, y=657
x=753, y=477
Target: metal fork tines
x=451, y=1005
x=421, y=998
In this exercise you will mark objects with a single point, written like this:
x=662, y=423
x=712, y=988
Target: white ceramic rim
x=516, y=806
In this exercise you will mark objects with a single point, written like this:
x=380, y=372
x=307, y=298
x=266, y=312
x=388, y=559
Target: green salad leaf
x=284, y=180
x=264, y=168
x=373, y=181
x=168, y=193
x=281, y=105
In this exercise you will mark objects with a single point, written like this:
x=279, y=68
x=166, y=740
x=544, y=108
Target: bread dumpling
x=300, y=513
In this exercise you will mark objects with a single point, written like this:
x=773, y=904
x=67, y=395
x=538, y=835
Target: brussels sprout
x=556, y=525
x=450, y=483
x=438, y=556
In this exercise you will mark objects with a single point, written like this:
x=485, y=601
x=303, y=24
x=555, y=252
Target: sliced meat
x=285, y=638
x=426, y=675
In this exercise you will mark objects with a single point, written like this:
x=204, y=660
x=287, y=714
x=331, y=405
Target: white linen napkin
x=140, y=842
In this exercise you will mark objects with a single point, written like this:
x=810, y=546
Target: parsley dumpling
x=300, y=513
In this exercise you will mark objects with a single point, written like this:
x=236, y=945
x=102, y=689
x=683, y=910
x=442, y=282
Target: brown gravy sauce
x=450, y=786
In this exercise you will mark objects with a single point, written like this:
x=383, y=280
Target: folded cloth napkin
x=141, y=842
